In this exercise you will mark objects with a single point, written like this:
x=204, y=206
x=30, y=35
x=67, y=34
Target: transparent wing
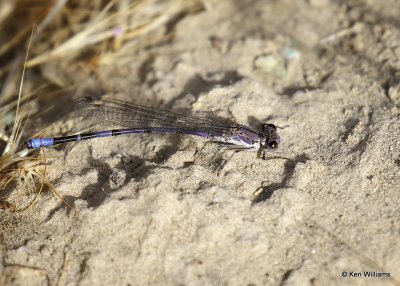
x=130, y=115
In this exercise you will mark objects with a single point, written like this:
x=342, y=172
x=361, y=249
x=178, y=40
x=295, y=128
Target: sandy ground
x=172, y=210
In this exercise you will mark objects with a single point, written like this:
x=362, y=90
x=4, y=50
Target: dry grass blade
x=128, y=22
x=18, y=171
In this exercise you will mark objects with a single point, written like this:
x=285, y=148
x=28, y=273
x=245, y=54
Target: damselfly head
x=271, y=138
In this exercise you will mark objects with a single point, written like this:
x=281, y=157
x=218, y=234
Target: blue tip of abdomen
x=39, y=142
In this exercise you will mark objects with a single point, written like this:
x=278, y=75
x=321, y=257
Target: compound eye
x=273, y=145
x=269, y=125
